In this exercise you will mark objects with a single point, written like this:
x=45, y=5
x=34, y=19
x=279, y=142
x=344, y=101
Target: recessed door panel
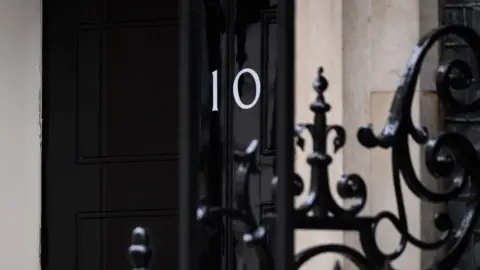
x=111, y=131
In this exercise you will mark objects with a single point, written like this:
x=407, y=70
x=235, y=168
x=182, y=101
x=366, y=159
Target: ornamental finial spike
x=320, y=84
x=140, y=251
x=320, y=106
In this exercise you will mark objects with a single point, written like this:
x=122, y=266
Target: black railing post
x=140, y=250
x=285, y=108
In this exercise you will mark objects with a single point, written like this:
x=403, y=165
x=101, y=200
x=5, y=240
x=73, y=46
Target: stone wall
x=364, y=46
x=20, y=92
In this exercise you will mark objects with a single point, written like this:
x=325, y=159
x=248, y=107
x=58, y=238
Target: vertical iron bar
x=285, y=132
x=319, y=159
x=189, y=95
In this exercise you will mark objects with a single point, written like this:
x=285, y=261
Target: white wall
x=20, y=86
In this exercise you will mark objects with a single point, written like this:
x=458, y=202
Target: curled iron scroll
x=450, y=155
x=254, y=234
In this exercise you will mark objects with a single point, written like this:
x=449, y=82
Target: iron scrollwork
x=450, y=155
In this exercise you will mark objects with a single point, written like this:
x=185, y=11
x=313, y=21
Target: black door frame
x=189, y=132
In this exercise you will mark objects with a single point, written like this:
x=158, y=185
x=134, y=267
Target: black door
x=110, y=134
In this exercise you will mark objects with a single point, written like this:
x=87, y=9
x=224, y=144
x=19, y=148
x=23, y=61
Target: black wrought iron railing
x=449, y=157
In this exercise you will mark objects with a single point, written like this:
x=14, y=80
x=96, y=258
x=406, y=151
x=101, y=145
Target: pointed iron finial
x=321, y=83
x=337, y=266
x=140, y=251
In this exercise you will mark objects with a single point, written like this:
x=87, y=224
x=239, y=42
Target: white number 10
x=236, y=95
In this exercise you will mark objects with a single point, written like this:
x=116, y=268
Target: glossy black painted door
x=110, y=149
